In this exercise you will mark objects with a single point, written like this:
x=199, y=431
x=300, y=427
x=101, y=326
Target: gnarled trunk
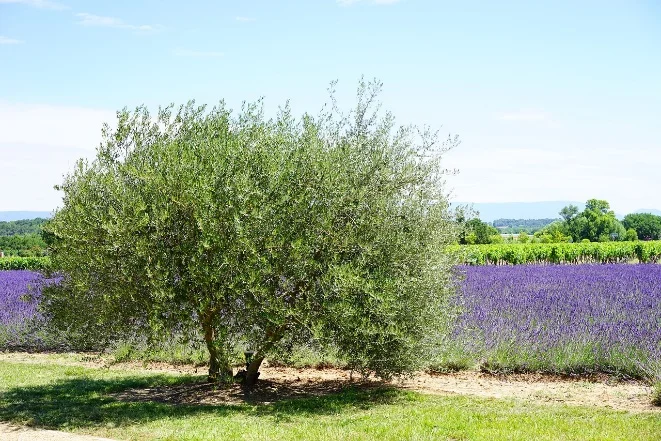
x=219, y=365
x=252, y=373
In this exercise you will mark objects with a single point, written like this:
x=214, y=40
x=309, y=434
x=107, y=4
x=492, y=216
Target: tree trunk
x=219, y=366
x=252, y=373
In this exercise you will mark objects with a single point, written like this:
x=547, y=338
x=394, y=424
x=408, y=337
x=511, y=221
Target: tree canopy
x=596, y=223
x=478, y=232
x=257, y=232
x=22, y=227
x=647, y=226
x=25, y=245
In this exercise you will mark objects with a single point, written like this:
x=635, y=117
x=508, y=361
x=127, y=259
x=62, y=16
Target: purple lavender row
x=19, y=296
x=601, y=317
x=536, y=317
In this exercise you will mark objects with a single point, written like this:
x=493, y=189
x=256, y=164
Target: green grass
x=77, y=399
x=167, y=352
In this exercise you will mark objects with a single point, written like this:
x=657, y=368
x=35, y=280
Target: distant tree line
x=23, y=238
x=517, y=225
x=19, y=227
x=596, y=223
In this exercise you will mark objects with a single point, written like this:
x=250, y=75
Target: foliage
x=631, y=235
x=647, y=226
x=569, y=213
x=25, y=263
x=552, y=233
x=512, y=226
x=561, y=319
x=596, y=222
x=260, y=233
x=26, y=245
x=656, y=400
x=477, y=232
x=22, y=227
x=583, y=252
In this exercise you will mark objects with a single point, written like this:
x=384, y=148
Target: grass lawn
x=77, y=399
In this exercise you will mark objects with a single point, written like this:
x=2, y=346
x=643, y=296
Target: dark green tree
x=477, y=232
x=569, y=213
x=631, y=235
x=646, y=225
x=597, y=222
x=21, y=227
x=554, y=233
x=257, y=232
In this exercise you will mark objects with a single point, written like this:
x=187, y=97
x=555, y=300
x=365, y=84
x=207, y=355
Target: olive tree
x=253, y=232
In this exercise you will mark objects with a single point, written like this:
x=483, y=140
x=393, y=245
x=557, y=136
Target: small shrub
x=656, y=395
x=450, y=366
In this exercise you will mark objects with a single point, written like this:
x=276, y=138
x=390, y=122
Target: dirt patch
x=286, y=383
x=14, y=433
x=604, y=393
x=265, y=392
x=277, y=383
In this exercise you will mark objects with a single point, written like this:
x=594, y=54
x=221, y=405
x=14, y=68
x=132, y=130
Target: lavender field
x=560, y=318
x=553, y=318
x=19, y=294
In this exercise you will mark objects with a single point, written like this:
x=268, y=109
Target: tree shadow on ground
x=86, y=402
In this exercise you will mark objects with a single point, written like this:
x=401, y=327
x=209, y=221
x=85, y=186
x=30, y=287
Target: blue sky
x=553, y=100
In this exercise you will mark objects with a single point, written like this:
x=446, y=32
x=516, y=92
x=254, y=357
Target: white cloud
x=244, y=19
x=197, y=54
x=92, y=20
x=41, y=4
x=49, y=125
x=556, y=165
x=7, y=40
x=40, y=143
x=374, y=2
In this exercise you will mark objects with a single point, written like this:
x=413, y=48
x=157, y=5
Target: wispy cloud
x=7, y=40
x=244, y=19
x=197, y=54
x=41, y=4
x=374, y=2
x=91, y=20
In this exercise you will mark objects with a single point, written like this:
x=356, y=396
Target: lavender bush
x=19, y=296
x=568, y=318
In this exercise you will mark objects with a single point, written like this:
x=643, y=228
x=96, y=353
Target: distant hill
x=20, y=215
x=519, y=210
